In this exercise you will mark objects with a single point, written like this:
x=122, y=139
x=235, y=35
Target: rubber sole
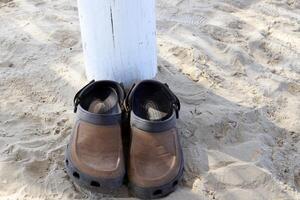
x=157, y=192
x=96, y=184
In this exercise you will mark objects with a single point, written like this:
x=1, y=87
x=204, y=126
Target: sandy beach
x=234, y=64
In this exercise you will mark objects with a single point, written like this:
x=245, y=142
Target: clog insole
x=106, y=102
x=151, y=111
x=153, y=107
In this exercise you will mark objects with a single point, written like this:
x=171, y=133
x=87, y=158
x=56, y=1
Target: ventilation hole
x=67, y=162
x=76, y=175
x=175, y=183
x=95, y=184
x=157, y=192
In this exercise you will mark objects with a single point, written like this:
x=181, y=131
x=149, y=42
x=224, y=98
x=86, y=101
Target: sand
x=234, y=64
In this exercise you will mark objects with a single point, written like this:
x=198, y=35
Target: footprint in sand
x=36, y=169
x=196, y=161
x=225, y=8
x=6, y=64
x=241, y=4
x=8, y=3
x=65, y=38
x=236, y=24
x=291, y=87
x=5, y=1
x=222, y=34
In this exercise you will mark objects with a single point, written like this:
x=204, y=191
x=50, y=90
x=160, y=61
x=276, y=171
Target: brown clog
x=155, y=159
x=94, y=156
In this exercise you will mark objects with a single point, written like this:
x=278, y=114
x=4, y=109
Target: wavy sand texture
x=235, y=65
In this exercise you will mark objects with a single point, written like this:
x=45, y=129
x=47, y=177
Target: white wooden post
x=119, y=39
